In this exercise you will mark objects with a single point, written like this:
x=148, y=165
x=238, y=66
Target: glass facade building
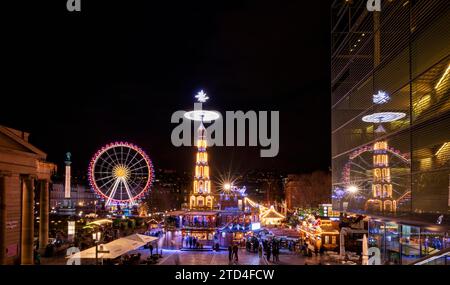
x=390, y=98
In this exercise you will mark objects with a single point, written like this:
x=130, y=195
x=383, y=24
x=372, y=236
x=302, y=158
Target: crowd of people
x=272, y=249
x=252, y=244
x=233, y=253
x=269, y=248
x=192, y=242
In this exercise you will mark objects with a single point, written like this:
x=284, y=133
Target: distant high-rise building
x=169, y=191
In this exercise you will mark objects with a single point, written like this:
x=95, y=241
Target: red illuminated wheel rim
x=121, y=173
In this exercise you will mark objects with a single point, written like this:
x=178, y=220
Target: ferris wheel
x=357, y=172
x=121, y=173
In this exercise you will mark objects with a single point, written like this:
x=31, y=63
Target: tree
x=308, y=190
x=143, y=209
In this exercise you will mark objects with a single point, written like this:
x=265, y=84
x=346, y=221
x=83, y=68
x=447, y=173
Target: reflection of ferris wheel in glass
x=358, y=173
x=121, y=173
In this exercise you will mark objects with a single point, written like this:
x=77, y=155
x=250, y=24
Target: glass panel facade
x=390, y=98
x=404, y=244
x=391, y=88
x=410, y=244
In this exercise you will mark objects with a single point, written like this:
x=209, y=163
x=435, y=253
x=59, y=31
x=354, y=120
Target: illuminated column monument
x=201, y=197
x=382, y=199
x=67, y=185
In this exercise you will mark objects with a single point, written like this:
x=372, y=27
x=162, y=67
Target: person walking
x=277, y=254
x=230, y=253
x=274, y=252
x=151, y=249
x=37, y=257
x=235, y=252
x=190, y=242
x=268, y=252
x=260, y=250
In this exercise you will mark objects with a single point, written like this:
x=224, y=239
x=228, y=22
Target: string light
x=443, y=77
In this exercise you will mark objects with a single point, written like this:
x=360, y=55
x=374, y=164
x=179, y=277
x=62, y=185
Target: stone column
x=2, y=219
x=43, y=214
x=27, y=236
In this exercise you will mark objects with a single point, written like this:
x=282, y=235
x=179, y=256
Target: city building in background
x=390, y=132
x=82, y=198
x=263, y=185
x=168, y=183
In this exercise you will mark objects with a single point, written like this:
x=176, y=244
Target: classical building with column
x=23, y=172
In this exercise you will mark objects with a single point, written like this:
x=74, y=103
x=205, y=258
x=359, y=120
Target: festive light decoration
x=346, y=179
x=442, y=148
x=121, y=173
x=201, y=196
x=352, y=189
x=262, y=209
x=383, y=117
x=271, y=217
x=201, y=97
x=381, y=97
x=381, y=185
x=382, y=199
x=443, y=77
x=227, y=187
x=202, y=115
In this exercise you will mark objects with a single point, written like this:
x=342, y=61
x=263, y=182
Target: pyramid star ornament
x=202, y=115
x=381, y=97
x=201, y=97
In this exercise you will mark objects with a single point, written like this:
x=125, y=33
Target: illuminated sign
x=71, y=227
x=256, y=226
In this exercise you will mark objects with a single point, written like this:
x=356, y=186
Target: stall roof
x=285, y=232
x=201, y=213
x=272, y=214
x=176, y=213
x=117, y=247
x=153, y=221
x=100, y=222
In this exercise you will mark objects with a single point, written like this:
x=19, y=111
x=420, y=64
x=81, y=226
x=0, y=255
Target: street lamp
x=227, y=186
x=352, y=189
x=97, y=236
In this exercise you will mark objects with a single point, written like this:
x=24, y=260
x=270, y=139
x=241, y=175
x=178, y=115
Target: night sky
x=117, y=71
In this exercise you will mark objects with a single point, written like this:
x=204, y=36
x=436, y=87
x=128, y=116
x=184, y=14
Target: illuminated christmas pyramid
x=381, y=186
x=201, y=197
